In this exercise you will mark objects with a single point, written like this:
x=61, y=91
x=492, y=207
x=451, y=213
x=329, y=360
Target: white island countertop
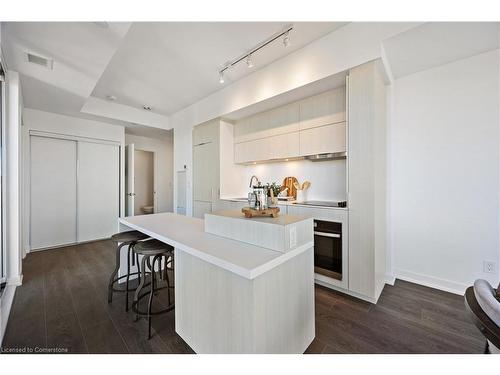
x=188, y=234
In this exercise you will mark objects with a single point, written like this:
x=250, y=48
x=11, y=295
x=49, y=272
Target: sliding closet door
x=98, y=190
x=53, y=192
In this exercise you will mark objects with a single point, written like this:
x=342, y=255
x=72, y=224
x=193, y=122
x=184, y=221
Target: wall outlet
x=293, y=236
x=489, y=267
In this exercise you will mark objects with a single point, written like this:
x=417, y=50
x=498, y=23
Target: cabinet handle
x=323, y=234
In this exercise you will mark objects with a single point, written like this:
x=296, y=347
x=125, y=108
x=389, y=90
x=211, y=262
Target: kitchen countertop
x=287, y=203
x=279, y=220
x=188, y=234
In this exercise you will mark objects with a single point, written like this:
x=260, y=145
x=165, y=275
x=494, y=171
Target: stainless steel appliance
x=328, y=248
x=324, y=203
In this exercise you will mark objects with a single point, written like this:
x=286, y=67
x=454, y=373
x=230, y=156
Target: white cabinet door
x=284, y=146
x=53, y=192
x=201, y=208
x=323, y=109
x=323, y=139
x=98, y=190
x=206, y=132
x=205, y=172
x=277, y=147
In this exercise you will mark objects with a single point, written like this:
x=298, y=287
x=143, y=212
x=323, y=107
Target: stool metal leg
x=153, y=289
x=115, y=272
x=129, y=251
x=168, y=280
x=139, y=287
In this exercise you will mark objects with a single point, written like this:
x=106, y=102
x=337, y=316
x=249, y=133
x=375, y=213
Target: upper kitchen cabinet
x=281, y=120
x=323, y=139
x=323, y=109
x=315, y=125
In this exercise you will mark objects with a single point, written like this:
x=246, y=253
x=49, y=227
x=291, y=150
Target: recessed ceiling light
x=111, y=98
x=146, y=107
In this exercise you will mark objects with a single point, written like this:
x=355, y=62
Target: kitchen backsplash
x=328, y=178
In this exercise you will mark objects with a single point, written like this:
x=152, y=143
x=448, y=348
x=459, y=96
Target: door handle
x=331, y=235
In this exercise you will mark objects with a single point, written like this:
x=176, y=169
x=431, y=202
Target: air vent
x=39, y=60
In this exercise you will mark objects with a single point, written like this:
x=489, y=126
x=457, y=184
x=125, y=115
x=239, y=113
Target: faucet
x=256, y=178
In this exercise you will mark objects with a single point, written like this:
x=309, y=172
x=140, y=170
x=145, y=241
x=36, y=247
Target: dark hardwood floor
x=62, y=304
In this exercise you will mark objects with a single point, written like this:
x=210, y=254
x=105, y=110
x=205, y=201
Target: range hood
x=329, y=156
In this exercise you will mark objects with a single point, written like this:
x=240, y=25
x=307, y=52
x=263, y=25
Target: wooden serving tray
x=251, y=212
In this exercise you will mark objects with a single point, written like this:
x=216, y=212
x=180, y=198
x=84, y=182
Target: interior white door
x=129, y=179
x=98, y=190
x=52, y=192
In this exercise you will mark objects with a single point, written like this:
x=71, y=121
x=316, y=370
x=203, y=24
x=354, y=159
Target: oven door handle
x=324, y=234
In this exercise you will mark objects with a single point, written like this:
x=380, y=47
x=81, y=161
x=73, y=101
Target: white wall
x=69, y=126
x=163, y=148
x=336, y=52
x=444, y=185
x=328, y=178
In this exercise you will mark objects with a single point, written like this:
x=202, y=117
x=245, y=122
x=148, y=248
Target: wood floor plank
x=103, y=338
x=63, y=302
x=64, y=332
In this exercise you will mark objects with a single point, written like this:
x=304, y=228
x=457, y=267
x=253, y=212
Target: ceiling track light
x=286, y=39
x=285, y=33
x=249, y=61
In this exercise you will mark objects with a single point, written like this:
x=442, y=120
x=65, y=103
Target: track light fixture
x=286, y=39
x=249, y=61
x=285, y=33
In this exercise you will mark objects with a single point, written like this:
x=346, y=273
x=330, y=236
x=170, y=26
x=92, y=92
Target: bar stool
x=129, y=239
x=153, y=252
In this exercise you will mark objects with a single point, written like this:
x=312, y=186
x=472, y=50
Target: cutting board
x=250, y=212
x=288, y=183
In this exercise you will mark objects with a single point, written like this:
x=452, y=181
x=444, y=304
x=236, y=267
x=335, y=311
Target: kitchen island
x=233, y=296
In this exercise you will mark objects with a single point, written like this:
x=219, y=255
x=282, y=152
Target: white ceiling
x=437, y=43
x=170, y=65
x=166, y=65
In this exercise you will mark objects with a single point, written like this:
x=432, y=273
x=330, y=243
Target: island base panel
x=217, y=311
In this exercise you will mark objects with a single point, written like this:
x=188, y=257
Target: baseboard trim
x=6, y=305
x=15, y=280
x=390, y=279
x=431, y=281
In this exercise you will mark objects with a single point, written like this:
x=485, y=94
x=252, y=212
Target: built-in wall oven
x=328, y=249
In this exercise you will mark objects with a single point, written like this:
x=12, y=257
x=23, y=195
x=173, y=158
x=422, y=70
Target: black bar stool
x=153, y=252
x=129, y=239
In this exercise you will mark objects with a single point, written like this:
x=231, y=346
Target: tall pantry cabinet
x=205, y=167
x=367, y=180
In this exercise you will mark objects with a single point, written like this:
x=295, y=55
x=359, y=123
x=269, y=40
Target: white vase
x=301, y=195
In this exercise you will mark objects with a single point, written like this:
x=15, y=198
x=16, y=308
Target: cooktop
x=325, y=203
